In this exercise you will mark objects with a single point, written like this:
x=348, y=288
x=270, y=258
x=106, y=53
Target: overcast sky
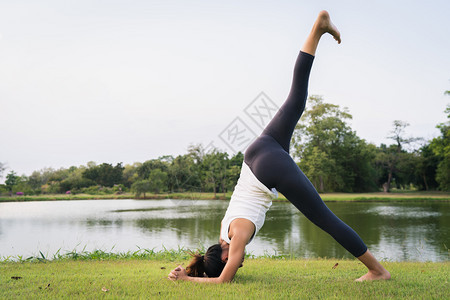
x=127, y=81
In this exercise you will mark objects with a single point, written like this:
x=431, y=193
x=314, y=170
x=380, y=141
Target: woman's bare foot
x=376, y=270
x=372, y=275
x=323, y=24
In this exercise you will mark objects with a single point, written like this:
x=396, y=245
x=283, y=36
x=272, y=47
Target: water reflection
x=393, y=232
x=398, y=232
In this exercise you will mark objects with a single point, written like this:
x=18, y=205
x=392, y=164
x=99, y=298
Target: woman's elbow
x=224, y=279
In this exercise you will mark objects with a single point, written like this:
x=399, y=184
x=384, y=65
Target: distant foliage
x=330, y=153
x=105, y=174
x=440, y=147
x=12, y=180
x=326, y=148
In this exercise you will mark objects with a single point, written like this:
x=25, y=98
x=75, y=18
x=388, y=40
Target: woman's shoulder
x=242, y=228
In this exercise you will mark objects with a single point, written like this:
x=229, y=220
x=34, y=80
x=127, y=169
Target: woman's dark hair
x=210, y=264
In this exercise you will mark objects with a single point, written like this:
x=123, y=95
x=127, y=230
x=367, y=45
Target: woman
x=268, y=168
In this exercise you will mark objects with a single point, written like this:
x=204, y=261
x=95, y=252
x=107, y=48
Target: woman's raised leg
x=283, y=123
x=322, y=25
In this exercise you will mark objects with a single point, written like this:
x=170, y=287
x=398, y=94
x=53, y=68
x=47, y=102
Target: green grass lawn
x=260, y=278
x=327, y=197
x=391, y=197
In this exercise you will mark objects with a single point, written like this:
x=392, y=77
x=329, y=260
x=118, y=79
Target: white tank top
x=250, y=200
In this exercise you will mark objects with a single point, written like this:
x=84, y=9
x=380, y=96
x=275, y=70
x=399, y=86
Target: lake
x=392, y=231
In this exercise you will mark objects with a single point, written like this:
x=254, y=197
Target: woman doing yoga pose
x=268, y=168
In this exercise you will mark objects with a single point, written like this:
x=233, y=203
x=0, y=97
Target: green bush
x=4, y=189
x=118, y=188
x=53, y=188
x=97, y=190
x=24, y=188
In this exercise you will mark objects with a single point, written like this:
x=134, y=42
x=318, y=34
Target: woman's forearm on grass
x=179, y=273
x=216, y=280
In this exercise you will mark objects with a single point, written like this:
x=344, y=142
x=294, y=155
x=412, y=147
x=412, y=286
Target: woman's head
x=211, y=263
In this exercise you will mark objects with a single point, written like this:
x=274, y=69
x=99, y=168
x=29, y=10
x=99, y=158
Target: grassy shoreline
x=263, y=278
x=327, y=197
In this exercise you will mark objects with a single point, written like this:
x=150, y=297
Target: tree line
x=197, y=171
x=326, y=148
x=335, y=159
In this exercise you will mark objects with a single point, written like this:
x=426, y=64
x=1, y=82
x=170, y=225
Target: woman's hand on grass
x=179, y=273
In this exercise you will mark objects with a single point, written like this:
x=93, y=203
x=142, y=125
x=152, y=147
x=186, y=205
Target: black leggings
x=268, y=158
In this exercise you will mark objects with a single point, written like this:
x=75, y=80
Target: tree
x=319, y=167
x=11, y=180
x=158, y=180
x=197, y=154
x=234, y=170
x=58, y=175
x=395, y=159
x=104, y=174
x=149, y=165
x=141, y=187
x=215, y=170
x=155, y=183
x=35, y=180
x=130, y=174
x=427, y=163
x=183, y=174
x=75, y=180
x=330, y=153
x=441, y=148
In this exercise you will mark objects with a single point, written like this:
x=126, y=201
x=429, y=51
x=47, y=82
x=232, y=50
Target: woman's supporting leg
x=268, y=157
x=288, y=179
x=296, y=187
x=376, y=270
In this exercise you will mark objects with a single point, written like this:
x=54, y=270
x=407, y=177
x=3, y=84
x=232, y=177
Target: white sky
x=126, y=81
